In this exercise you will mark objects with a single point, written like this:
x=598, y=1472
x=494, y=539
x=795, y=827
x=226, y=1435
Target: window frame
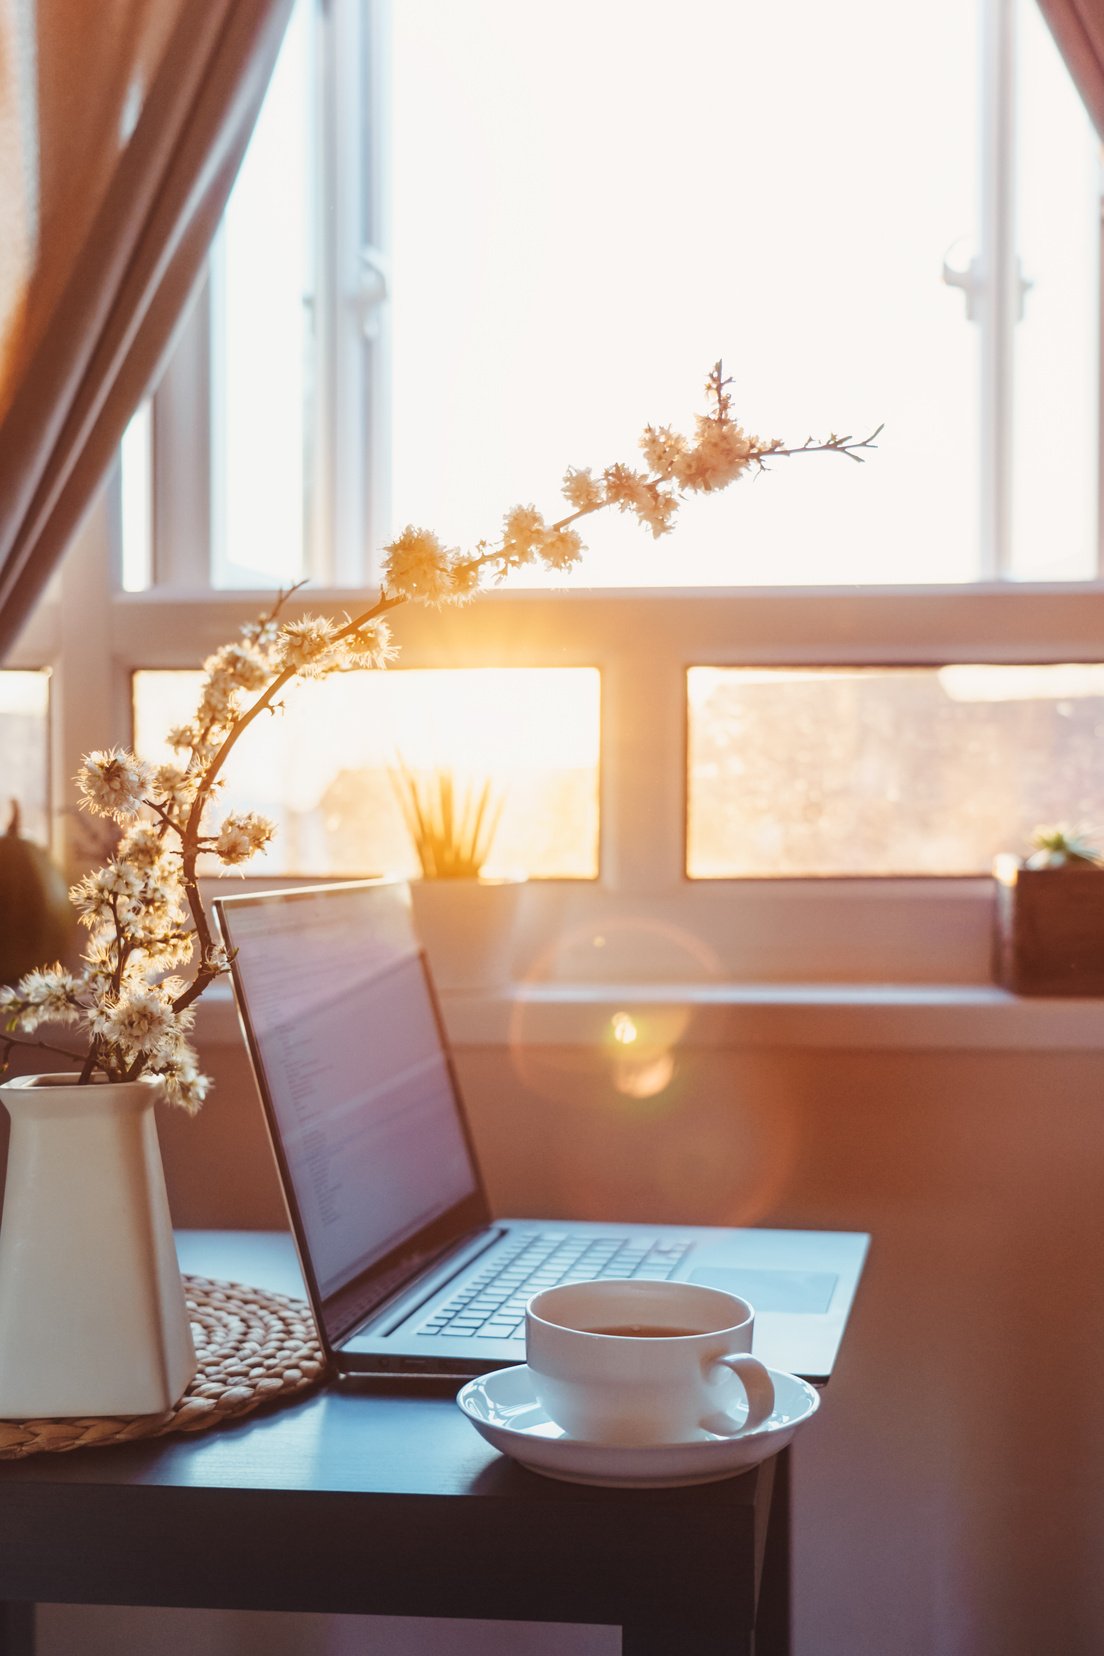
x=352, y=364
x=642, y=917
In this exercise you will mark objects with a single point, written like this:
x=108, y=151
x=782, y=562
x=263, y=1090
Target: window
x=24, y=707
x=327, y=772
x=885, y=770
x=411, y=342
x=264, y=297
x=534, y=231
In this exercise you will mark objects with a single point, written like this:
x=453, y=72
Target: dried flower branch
x=143, y=910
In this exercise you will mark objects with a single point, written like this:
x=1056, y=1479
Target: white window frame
x=650, y=921
x=352, y=362
x=642, y=918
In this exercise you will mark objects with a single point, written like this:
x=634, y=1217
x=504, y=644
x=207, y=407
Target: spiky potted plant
x=466, y=916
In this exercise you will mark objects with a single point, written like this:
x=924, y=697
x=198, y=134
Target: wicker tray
x=252, y=1347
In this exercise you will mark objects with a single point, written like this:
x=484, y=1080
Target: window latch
x=973, y=284
x=372, y=291
x=970, y=280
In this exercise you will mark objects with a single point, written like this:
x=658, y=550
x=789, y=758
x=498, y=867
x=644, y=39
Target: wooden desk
x=368, y=1501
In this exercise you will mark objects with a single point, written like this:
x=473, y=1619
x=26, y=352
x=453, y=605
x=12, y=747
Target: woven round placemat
x=252, y=1347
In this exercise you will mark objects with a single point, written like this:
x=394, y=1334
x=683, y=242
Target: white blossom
x=44, y=996
x=306, y=646
x=662, y=449
x=142, y=846
x=154, y=910
x=98, y=894
x=218, y=703
x=263, y=634
x=523, y=531
x=625, y=488
x=464, y=576
x=417, y=566
x=657, y=511
x=240, y=665
x=560, y=548
x=721, y=453
x=581, y=490
x=175, y=787
x=159, y=951
x=111, y=783
x=141, y=1020
x=241, y=834
x=182, y=1082
x=370, y=645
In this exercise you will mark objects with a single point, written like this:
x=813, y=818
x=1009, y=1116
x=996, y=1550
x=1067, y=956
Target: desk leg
x=772, y=1625
x=17, y=1629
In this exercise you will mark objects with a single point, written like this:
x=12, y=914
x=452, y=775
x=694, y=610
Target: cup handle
x=757, y=1383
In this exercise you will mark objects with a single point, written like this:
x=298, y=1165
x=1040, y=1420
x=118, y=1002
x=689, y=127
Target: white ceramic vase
x=468, y=929
x=92, y=1312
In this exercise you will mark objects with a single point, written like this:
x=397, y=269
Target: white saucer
x=503, y=1409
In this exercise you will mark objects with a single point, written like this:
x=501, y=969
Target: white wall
x=950, y=1495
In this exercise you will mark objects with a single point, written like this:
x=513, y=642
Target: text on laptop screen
x=341, y=1014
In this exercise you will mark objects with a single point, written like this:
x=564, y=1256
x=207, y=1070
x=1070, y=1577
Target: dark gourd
x=36, y=920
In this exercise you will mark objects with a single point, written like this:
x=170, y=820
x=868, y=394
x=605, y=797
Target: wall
x=950, y=1496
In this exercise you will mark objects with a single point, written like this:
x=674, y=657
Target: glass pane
x=24, y=745
x=1057, y=362
x=323, y=770
x=759, y=183
x=262, y=351
x=136, y=477
x=887, y=770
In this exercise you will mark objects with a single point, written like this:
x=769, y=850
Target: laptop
x=407, y=1270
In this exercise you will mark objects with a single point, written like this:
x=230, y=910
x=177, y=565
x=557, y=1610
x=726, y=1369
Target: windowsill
x=955, y=1016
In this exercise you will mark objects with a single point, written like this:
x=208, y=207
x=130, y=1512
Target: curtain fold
x=1078, y=28
x=135, y=181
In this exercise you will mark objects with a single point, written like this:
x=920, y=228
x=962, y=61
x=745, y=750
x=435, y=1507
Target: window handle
x=1024, y=285
x=972, y=282
x=372, y=291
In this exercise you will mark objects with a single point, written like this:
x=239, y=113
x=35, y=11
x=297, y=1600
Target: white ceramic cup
x=601, y=1377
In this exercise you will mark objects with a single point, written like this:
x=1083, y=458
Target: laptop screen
x=356, y=1080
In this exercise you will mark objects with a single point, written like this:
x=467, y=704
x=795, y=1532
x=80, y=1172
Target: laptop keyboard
x=491, y=1305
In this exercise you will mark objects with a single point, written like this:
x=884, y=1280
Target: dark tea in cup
x=642, y=1331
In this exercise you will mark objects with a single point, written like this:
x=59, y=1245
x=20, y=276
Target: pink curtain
x=1078, y=27
x=122, y=126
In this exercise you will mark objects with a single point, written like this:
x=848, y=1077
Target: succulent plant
x=1063, y=847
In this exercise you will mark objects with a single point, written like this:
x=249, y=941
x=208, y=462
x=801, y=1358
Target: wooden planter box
x=1048, y=931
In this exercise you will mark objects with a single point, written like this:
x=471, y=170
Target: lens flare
x=624, y=1030
x=640, y=1043
x=644, y=1079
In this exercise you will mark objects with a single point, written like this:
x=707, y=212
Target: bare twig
x=7, y=1042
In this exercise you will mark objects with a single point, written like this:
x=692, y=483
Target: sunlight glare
x=323, y=769
x=25, y=694
x=631, y=226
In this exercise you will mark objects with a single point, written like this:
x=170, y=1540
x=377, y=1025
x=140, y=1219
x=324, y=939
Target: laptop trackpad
x=809, y=1291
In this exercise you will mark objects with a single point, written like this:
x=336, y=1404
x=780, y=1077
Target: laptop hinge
x=422, y=1274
